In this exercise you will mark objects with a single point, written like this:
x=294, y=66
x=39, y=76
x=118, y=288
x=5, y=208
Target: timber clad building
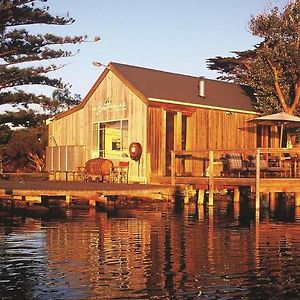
x=162, y=111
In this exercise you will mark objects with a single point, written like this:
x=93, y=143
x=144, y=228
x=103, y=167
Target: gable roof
x=160, y=86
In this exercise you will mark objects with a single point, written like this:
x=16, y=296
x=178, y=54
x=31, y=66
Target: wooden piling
x=236, y=195
x=92, y=202
x=200, y=200
x=68, y=200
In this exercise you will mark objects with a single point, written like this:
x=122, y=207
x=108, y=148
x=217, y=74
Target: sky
x=170, y=35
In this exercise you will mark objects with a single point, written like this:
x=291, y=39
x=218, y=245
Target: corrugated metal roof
x=183, y=88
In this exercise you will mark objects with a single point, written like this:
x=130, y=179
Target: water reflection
x=160, y=252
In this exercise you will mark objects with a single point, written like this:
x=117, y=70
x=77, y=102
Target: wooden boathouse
x=185, y=126
x=161, y=111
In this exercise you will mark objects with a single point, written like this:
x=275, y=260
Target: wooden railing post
x=173, y=171
x=257, y=179
x=211, y=179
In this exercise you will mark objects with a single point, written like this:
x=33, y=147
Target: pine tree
x=24, y=61
x=19, y=49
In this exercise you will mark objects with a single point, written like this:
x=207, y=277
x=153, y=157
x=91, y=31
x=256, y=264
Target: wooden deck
x=266, y=184
x=80, y=188
x=208, y=171
x=200, y=170
x=33, y=191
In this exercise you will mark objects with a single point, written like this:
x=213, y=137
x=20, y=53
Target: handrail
x=204, y=156
x=193, y=164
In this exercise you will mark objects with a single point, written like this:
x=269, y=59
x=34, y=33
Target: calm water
x=160, y=253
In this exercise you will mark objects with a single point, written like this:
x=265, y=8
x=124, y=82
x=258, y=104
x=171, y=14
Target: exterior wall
x=207, y=129
x=217, y=129
x=110, y=101
x=156, y=140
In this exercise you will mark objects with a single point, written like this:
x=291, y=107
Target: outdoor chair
x=277, y=168
x=268, y=166
x=119, y=172
x=234, y=165
x=251, y=166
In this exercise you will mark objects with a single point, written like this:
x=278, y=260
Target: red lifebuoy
x=135, y=151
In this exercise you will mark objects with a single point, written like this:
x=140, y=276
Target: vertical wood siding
x=207, y=129
x=111, y=101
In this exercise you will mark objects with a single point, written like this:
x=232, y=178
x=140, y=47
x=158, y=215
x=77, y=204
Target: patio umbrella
x=280, y=119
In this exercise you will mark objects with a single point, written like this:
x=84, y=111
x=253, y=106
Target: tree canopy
x=24, y=56
x=25, y=151
x=26, y=60
x=272, y=68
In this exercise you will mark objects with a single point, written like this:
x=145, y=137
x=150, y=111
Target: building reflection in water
x=194, y=251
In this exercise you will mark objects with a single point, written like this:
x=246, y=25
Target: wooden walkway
x=33, y=191
x=200, y=170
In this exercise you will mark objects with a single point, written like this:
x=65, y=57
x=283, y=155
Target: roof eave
x=203, y=106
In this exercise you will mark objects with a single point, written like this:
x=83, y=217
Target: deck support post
x=186, y=198
x=257, y=179
x=211, y=179
x=200, y=200
x=236, y=209
x=173, y=165
x=68, y=200
x=92, y=202
x=236, y=195
x=297, y=199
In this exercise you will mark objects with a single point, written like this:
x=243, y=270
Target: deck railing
x=205, y=166
x=262, y=162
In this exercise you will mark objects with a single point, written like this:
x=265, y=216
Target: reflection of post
x=1, y=165
x=200, y=212
x=272, y=203
x=168, y=267
x=297, y=213
x=297, y=199
x=256, y=251
x=257, y=183
x=211, y=179
x=172, y=168
x=210, y=242
x=236, y=210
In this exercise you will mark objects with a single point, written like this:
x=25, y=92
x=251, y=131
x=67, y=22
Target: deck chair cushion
x=264, y=165
x=235, y=161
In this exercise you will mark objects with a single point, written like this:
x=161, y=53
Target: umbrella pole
x=281, y=136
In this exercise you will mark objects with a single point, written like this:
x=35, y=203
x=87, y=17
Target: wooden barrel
x=98, y=166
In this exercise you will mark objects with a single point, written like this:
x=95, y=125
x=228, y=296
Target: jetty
x=194, y=174
x=35, y=192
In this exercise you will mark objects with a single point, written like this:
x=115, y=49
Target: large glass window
x=111, y=138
